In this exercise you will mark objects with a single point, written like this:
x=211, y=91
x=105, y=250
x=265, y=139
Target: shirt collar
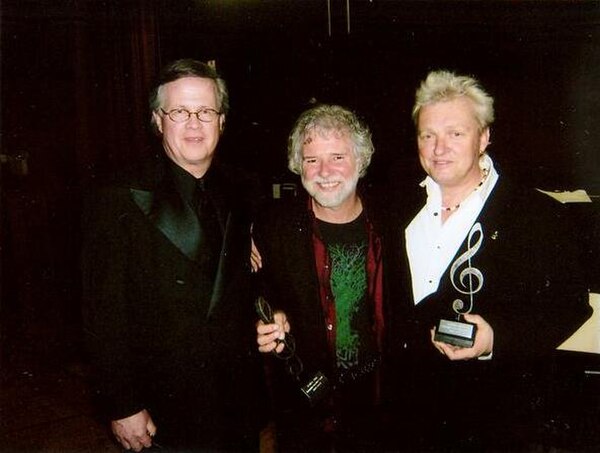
x=186, y=183
x=434, y=192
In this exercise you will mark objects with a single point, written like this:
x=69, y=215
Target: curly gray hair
x=330, y=118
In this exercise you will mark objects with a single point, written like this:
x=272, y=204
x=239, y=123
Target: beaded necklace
x=484, y=177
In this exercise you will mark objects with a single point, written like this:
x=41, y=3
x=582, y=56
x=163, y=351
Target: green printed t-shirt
x=347, y=246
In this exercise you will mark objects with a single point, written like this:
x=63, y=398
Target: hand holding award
x=482, y=345
x=468, y=336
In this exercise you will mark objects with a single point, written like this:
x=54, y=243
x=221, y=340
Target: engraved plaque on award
x=316, y=389
x=468, y=282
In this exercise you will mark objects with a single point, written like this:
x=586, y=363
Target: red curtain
x=116, y=59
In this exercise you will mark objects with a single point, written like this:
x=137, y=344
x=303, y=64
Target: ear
x=158, y=121
x=221, y=123
x=360, y=167
x=484, y=140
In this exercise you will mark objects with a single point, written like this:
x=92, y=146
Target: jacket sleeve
x=106, y=309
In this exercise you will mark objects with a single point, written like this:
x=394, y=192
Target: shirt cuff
x=486, y=357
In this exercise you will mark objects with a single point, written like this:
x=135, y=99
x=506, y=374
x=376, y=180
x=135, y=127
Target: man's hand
x=484, y=341
x=268, y=334
x=134, y=432
x=255, y=258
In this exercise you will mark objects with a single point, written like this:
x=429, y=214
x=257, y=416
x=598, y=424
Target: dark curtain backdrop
x=116, y=59
x=76, y=74
x=75, y=77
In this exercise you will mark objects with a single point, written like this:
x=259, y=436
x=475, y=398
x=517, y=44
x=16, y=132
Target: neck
x=197, y=170
x=453, y=197
x=345, y=213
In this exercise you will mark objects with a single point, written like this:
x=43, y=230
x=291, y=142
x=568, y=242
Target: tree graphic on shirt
x=348, y=284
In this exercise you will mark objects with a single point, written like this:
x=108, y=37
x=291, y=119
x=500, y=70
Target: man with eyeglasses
x=167, y=283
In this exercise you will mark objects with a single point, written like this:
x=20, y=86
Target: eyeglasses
x=206, y=115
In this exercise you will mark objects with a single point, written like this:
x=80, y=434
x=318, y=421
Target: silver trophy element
x=469, y=282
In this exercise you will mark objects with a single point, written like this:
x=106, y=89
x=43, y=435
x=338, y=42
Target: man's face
x=450, y=142
x=329, y=169
x=190, y=144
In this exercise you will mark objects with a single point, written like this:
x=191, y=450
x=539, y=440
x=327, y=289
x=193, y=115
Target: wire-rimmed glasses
x=205, y=114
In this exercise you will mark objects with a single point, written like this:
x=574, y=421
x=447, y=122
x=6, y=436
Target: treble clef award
x=468, y=282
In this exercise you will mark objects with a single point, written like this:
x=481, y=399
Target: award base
x=457, y=333
x=316, y=388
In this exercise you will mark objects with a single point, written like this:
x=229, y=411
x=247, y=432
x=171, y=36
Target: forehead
x=326, y=142
x=188, y=91
x=459, y=111
x=321, y=134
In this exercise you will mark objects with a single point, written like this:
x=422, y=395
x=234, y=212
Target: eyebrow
x=187, y=107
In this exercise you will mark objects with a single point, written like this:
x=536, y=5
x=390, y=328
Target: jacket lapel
x=174, y=218
x=491, y=219
x=166, y=209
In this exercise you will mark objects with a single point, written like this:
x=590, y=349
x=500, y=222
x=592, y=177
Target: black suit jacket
x=163, y=336
x=533, y=296
x=283, y=235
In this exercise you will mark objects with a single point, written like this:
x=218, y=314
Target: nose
x=439, y=146
x=324, y=169
x=193, y=122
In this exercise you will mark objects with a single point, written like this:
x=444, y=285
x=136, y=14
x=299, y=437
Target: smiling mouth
x=328, y=185
x=194, y=139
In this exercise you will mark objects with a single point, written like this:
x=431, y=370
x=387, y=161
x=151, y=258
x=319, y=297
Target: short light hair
x=442, y=86
x=324, y=119
x=188, y=67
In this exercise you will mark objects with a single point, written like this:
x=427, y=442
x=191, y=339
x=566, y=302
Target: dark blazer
x=533, y=297
x=163, y=336
x=283, y=235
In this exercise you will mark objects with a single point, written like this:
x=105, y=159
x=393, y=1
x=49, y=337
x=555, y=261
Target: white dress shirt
x=432, y=244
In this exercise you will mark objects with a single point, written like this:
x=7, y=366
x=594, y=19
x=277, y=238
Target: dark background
x=76, y=73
